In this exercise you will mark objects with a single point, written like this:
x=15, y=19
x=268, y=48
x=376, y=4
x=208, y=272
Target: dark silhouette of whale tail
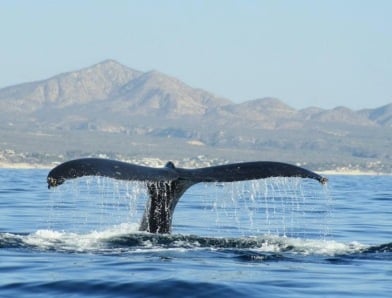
x=166, y=185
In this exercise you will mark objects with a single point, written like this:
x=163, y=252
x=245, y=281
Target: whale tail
x=166, y=185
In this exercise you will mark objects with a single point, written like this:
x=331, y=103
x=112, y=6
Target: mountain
x=154, y=93
x=381, y=115
x=111, y=108
x=94, y=83
x=338, y=115
x=111, y=86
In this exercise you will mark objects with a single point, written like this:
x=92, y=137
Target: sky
x=324, y=53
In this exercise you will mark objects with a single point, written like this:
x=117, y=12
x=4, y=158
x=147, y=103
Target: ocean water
x=268, y=238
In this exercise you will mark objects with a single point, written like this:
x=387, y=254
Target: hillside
x=117, y=111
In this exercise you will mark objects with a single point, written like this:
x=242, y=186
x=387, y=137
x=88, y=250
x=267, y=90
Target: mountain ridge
x=110, y=80
x=110, y=101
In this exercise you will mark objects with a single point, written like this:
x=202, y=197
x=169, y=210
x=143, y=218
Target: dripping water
x=95, y=203
x=291, y=207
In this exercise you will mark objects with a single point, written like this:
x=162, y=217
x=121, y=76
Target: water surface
x=272, y=237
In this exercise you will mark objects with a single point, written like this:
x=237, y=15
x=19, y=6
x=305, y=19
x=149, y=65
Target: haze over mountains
x=111, y=109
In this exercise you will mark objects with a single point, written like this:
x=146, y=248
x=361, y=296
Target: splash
x=74, y=242
x=125, y=238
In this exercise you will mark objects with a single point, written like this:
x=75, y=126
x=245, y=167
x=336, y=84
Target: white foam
x=309, y=246
x=96, y=240
x=60, y=240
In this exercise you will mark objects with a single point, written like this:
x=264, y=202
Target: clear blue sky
x=307, y=53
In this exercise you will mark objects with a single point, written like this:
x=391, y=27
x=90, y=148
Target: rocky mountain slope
x=136, y=110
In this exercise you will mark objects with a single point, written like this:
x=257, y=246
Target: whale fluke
x=166, y=185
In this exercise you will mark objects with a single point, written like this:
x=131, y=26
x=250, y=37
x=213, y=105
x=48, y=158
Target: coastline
x=352, y=173
x=24, y=165
x=339, y=171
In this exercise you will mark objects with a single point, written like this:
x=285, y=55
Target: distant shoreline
x=352, y=173
x=349, y=172
x=24, y=166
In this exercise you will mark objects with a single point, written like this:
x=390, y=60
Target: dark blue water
x=267, y=238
